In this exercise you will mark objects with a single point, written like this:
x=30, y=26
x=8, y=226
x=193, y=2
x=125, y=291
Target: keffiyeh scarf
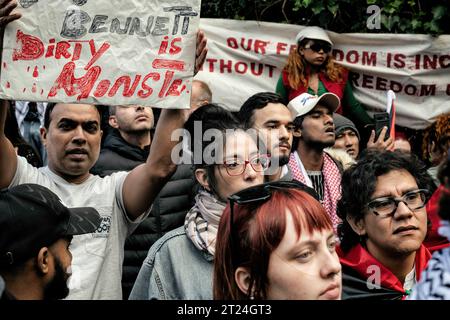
x=202, y=221
x=332, y=182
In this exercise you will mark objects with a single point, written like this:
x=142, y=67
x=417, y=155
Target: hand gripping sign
x=102, y=52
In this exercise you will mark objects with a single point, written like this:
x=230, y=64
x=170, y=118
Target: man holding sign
x=72, y=137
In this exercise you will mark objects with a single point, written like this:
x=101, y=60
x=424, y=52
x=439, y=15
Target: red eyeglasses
x=236, y=167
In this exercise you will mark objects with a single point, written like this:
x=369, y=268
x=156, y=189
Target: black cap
x=32, y=217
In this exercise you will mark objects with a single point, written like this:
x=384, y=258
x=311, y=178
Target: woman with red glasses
x=276, y=242
x=311, y=68
x=180, y=264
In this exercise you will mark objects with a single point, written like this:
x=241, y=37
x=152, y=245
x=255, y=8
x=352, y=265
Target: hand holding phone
x=381, y=128
x=381, y=121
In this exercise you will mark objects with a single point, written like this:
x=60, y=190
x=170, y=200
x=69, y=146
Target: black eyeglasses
x=262, y=193
x=386, y=206
x=317, y=46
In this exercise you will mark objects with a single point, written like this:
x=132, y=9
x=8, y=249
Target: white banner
x=246, y=57
x=101, y=51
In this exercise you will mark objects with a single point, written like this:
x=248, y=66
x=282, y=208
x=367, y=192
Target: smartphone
x=381, y=120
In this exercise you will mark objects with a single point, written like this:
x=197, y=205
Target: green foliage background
x=397, y=16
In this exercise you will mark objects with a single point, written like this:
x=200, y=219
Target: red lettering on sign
x=168, y=64
x=125, y=80
x=50, y=48
x=61, y=50
x=96, y=54
x=163, y=46
x=147, y=89
x=73, y=86
x=174, y=49
x=281, y=47
x=31, y=47
x=102, y=88
x=167, y=79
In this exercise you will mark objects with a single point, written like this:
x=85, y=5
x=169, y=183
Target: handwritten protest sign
x=102, y=52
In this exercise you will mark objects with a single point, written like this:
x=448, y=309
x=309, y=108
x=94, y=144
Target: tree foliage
x=396, y=16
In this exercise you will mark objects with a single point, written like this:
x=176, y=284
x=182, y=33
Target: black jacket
x=118, y=155
x=169, y=208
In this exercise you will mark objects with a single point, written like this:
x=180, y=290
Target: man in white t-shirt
x=72, y=135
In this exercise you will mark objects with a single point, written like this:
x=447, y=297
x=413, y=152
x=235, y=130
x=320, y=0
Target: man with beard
x=266, y=113
x=34, y=245
x=128, y=144
x=314, y=131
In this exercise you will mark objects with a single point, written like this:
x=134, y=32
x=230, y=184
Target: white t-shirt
x=410, y=279
x=97, y=257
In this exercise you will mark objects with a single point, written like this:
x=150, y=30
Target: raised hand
x=6, y=7
x=380, y=143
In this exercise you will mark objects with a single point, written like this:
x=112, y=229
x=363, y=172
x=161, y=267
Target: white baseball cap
x=314, y=33
x=305, y=102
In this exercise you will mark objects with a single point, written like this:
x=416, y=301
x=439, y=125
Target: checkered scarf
x=202, y=221
x=332, y=182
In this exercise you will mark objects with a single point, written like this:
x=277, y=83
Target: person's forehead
x=272, y=112
x=76, y=112
x=321, y=108
x=398, y=179
x=347, y=131
x=239, y=143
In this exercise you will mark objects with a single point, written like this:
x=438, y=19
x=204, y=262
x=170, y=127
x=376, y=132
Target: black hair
x=211, y=116
x=359, y=182
x=257, y=101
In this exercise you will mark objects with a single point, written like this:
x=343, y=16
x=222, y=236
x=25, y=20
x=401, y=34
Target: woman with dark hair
x=312, y=69
x=384, y=223
x=180, y=264
x=275, y=241
x=434, y=283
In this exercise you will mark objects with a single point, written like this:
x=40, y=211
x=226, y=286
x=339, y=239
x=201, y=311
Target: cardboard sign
x=111, y=52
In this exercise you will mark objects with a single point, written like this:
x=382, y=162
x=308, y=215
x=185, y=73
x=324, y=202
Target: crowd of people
x=294, y=196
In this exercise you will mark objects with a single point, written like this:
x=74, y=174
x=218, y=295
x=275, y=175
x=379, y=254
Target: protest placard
x=101, y=51
x=246, y=57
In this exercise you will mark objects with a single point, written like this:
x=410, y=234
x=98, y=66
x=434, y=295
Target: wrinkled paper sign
x=110, y=52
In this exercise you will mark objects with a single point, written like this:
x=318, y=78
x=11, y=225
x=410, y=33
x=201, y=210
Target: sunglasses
x=259, y=194
x=317, y=46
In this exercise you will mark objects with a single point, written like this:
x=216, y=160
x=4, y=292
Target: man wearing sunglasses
x=268, y=115
x=384, y=223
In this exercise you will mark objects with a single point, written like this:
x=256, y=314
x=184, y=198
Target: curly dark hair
x=359, y=183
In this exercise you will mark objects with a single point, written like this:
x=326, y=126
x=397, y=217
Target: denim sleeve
x=148, y=285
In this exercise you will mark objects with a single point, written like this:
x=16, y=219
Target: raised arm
x=8, y=158
x=144, y=182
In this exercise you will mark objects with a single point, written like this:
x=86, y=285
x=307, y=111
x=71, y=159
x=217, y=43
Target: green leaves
x=397, y=16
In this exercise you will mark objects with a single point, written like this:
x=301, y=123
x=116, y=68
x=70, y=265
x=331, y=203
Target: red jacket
x=434, y=241
x=358, y=260
x=334, y=87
